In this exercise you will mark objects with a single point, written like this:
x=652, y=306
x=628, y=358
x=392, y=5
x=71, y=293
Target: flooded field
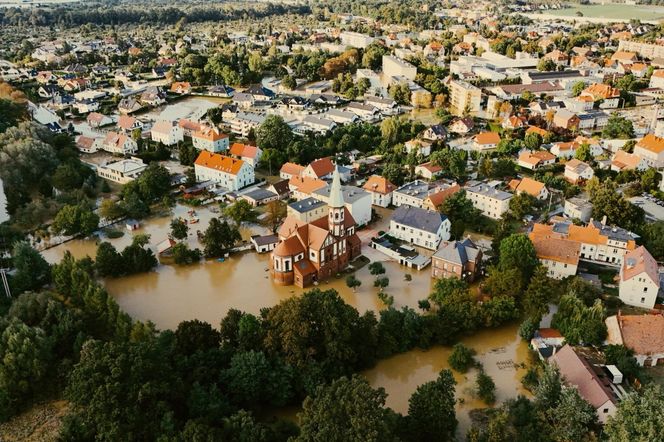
x=206, y=291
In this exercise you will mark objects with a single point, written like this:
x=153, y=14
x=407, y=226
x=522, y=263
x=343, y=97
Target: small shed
x=132, y=224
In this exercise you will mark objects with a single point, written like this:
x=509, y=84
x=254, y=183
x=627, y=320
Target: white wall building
x=489, y=200
x=167, y=132
x=230, y=173
x=639, y=279
x=396, y=67
x=420, y=227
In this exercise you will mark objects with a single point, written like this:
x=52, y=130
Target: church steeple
x=336, y=206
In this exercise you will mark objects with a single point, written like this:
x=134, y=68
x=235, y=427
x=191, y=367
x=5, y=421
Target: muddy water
x=171, y=294
x=206, y=291
x=498, y=350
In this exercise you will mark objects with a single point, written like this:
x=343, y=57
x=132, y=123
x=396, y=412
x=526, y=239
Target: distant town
x=331, y=221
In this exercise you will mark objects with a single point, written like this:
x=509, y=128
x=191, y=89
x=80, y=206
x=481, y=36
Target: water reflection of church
x=310, y=252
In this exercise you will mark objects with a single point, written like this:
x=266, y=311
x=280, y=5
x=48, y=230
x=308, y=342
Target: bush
x=486, y=388
x=461, y=359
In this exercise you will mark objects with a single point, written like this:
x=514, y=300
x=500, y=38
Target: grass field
x=615, y=11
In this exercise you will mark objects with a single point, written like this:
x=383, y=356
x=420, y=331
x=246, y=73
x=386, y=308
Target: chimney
x=604, y=221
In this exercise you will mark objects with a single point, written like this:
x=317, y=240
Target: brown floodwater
x=171, y=294
x=206, y=291
x=500, y=351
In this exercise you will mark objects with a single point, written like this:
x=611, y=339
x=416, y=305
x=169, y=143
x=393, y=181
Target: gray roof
x=263, y=240
x=350, y=193
x=458, y=252
x=260, y=194
x=416, y=188
x=421, y=219
x=489, y=191
x=306, y=205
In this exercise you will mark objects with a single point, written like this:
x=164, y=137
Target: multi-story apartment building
x=597, y=241
x=464, y=98
x=228, y=172
x=355, y=39
x=210, y=139
x=396, y=67
x=651, y=150
x=639, y=279
x=489, y=200
x=420, y=227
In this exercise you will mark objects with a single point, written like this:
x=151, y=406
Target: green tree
x=462, y=358
x=241, y=211
x=32, y=270
x=539, y=293
x=583, y=152
x=179, y=229
x=578, y=87
x=25, y=355
x=75, y=220
x=573, y=418
x=108, y=262
x=486, y=388
x=289, y=82
x=111, y=210
x=532, y=141
x=345, y=410
x=274, y=133
x=319, y=334
x=518, y=252
x=639, y=417
x=219, y=237
x=654, y=239
x=578, y=323
x=549, y=388
x=623, y=358
x=431, y=410
x=376, y=268
x=546, y=64
x=521, y=204
x=352, y=282
x=183, y=255
x=255, y=382
x=618, y=127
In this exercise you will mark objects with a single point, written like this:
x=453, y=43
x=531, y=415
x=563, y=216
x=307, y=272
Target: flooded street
x=497, y=349
x=206, y=291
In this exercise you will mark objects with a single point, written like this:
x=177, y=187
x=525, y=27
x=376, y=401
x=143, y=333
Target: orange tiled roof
x=642, y=333
x=530, y=186
x=652, y=143
x=209, y=134
x=557, y=249
x=219, y=162
x=292, y=169
x=306, y=185
x=487, y=138
x=379, y=184
x=601, y=91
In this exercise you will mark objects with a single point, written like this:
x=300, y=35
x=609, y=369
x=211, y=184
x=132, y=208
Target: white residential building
x=230, y=173
x=122, y=171
x=381, y=190
x=355, y=39
x=119, y=143
x=356, y=200
x=396, y=67
x=210, y=139
x=464, y=98
x=167, y=132
x=420, y=227
x=639, y=279
x=489, y=200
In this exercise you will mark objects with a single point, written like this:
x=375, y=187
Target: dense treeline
x=154, y=14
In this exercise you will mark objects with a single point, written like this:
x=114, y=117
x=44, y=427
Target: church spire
x=336, y=195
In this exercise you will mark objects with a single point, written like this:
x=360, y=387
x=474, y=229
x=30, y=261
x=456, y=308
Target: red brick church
x=311, y=252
